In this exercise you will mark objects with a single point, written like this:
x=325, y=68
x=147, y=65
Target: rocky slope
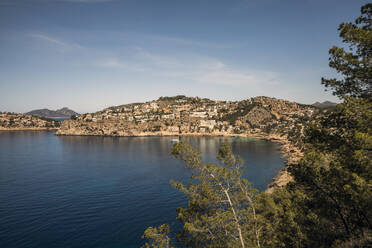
x=192, y=115
x=13, y=121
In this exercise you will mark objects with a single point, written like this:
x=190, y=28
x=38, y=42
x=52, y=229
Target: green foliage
x=329, y=203
x=269, y=128
x=354, y=64
x=11, y=122
x=336, y=176
x=172, y=98
x=242, y=110
x=332, y=188
x=214, y=216
x=224, y=210
x=157, y=237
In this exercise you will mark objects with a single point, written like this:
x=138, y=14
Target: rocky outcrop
x=292, y=154
x=13, y=121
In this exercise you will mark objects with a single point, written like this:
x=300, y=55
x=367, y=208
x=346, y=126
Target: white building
x=208, y=124
x=199, y=114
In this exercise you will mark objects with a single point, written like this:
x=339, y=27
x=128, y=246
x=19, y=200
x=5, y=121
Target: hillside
x=13, y=121
x=181, y=115
x=59, y=113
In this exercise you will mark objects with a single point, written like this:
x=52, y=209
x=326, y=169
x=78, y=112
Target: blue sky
x=91, y=54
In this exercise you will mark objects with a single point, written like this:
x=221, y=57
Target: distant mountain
x=59, y=113
x=325, y=104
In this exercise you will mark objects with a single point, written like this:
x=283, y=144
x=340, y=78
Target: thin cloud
x=51, y=40
x=189, y=42
x=218, y=73
x=155, y=59
x=195, y=68
x=233, y=78
x=116, y=64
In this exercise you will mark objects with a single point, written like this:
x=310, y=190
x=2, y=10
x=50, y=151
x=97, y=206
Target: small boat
x=175, y=140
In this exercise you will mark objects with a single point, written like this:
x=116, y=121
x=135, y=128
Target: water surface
x=101, y=191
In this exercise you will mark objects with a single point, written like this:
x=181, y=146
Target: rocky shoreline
x=29, y=129
x=290, y=152
x=293, y=155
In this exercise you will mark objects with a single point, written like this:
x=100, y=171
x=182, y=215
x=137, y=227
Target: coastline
x=292, y=156
x=290, y=152
x=29, y=129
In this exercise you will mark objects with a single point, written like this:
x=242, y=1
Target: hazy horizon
x=91, y=54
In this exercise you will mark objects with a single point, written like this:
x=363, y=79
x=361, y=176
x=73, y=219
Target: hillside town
x=181, y=115
x=263, y=117
x=14, y=121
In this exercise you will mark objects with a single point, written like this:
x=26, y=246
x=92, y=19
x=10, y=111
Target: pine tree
x=333, y=181
x=222, y=205
x=329, y=204
x=353, y=63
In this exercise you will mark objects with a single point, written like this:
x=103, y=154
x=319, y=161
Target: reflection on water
x=101, y=191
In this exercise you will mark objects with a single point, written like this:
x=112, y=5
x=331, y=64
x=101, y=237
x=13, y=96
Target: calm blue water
x=100, y=191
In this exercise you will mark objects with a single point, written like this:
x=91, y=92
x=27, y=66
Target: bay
x=102, y=191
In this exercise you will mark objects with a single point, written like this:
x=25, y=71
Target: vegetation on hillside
x=329, y=203
x=24, y=121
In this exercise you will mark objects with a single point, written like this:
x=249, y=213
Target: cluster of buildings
x=24, y=121
x=188, y=115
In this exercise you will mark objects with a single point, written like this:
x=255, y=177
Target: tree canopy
x=354, y=61
x=329, y=203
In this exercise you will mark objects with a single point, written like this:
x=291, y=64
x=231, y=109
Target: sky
x=92, y=54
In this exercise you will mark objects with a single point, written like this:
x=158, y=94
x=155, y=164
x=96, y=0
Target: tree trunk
x=236, y=218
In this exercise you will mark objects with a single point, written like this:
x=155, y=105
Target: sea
x=73, y=191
